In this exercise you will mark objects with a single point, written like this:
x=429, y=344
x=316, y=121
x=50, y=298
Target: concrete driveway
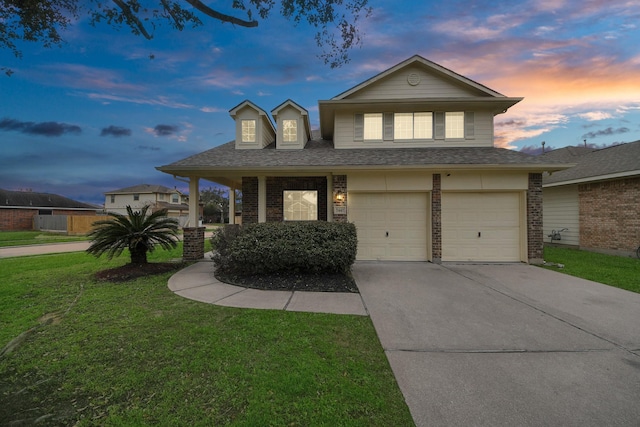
x=506, y=345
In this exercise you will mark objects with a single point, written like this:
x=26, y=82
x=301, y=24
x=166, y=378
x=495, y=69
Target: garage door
x=391, y=226
x=480, y=227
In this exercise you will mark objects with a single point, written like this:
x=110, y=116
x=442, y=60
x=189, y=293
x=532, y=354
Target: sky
x=103, y=110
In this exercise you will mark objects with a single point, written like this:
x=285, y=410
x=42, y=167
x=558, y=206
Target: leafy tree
x=42, y=21
x=135, y=231
x=215, y=202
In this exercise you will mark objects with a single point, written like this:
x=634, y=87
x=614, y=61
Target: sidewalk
x=47, y=248
x=198, y=283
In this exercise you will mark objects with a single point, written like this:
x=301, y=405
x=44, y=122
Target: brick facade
x=436, y=219
x=276, y=185
x=193, y=244
x=610, y=215
x=249, y=199
x=535, y=235
x=340, y=184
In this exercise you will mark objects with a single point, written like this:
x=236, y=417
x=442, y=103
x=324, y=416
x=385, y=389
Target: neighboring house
x=598, y=200
x=19, y=208
x=407, y=156
x=156, y=196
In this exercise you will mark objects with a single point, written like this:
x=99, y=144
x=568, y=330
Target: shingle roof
x=143, y=188
x=605, y=163
x=30, y=199
x=568, y=154
x=322, y=154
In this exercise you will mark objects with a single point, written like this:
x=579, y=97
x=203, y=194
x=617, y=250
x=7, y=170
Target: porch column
x=193, y=238
x=232, y=205
x=262, y=199
x=194, y=202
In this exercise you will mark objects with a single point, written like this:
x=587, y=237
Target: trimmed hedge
x=285, y=247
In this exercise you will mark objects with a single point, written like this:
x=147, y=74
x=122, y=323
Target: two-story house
x=156, y=196
x=407, y=156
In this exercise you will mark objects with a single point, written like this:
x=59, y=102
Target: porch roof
x=320, y=156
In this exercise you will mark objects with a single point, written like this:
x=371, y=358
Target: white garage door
x=480, y=227
x=391, y=226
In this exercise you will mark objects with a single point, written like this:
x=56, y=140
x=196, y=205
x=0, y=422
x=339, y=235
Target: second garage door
x=391, y=226
x=481, y=227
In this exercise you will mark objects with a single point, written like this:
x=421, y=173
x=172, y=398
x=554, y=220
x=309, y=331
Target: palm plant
x=135, y=231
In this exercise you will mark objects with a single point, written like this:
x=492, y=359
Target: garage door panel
x=496, y=216
x=402, y=215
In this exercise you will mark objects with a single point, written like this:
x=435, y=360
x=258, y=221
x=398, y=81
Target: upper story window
x=454, y=125
x=161, y=196
x=373, y=126
x=290, y=130
x=113, y=198
x=413, y=126
x=136, y=197
x=175, y=198
x=300, y=205
x=248, y=131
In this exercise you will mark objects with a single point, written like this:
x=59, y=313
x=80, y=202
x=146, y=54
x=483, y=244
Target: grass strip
x=136, y=354
x=621, y=272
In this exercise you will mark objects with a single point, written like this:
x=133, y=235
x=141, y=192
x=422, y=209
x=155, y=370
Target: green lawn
x=135, y=354
x=621, y=272
x=22, y=238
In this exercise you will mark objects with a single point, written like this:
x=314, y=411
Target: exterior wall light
x=338, y=196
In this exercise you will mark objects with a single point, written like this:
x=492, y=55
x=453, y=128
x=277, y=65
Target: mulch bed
x=311, y=282
x=134, y=271
x=301, y=281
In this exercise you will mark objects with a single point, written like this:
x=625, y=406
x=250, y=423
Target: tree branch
x=177, y=22
x=131, y=17
x=220, y=16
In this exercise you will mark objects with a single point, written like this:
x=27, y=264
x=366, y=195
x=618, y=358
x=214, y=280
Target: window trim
x=244, y=131
x=292, y=136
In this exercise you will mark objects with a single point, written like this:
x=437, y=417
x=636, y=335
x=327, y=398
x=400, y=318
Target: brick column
x=535, y=236
x=193, y=244
x=340, y=184
x=436, y=219
x=249, y=199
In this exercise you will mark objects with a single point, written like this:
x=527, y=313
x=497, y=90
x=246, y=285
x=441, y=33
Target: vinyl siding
x=344, y=133
x=396, y=86
x=560, y=209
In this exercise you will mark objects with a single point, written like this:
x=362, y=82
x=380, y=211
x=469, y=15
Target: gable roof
x=417, y=59
x=246, y=103
x=320, y=156
x=618, y=161
x=303, y=112
x=144, y=189
x=475, y=97
x=32, y=200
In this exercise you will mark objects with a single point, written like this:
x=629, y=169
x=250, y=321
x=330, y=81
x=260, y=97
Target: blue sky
x=98, y=113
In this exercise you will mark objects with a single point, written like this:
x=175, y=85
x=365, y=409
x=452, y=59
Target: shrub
x=285, y=247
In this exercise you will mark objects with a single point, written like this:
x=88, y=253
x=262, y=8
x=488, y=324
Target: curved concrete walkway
x=197, y=282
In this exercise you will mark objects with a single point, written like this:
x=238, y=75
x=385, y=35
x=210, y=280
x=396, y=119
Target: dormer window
x=248, y=131
x=290, y=131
